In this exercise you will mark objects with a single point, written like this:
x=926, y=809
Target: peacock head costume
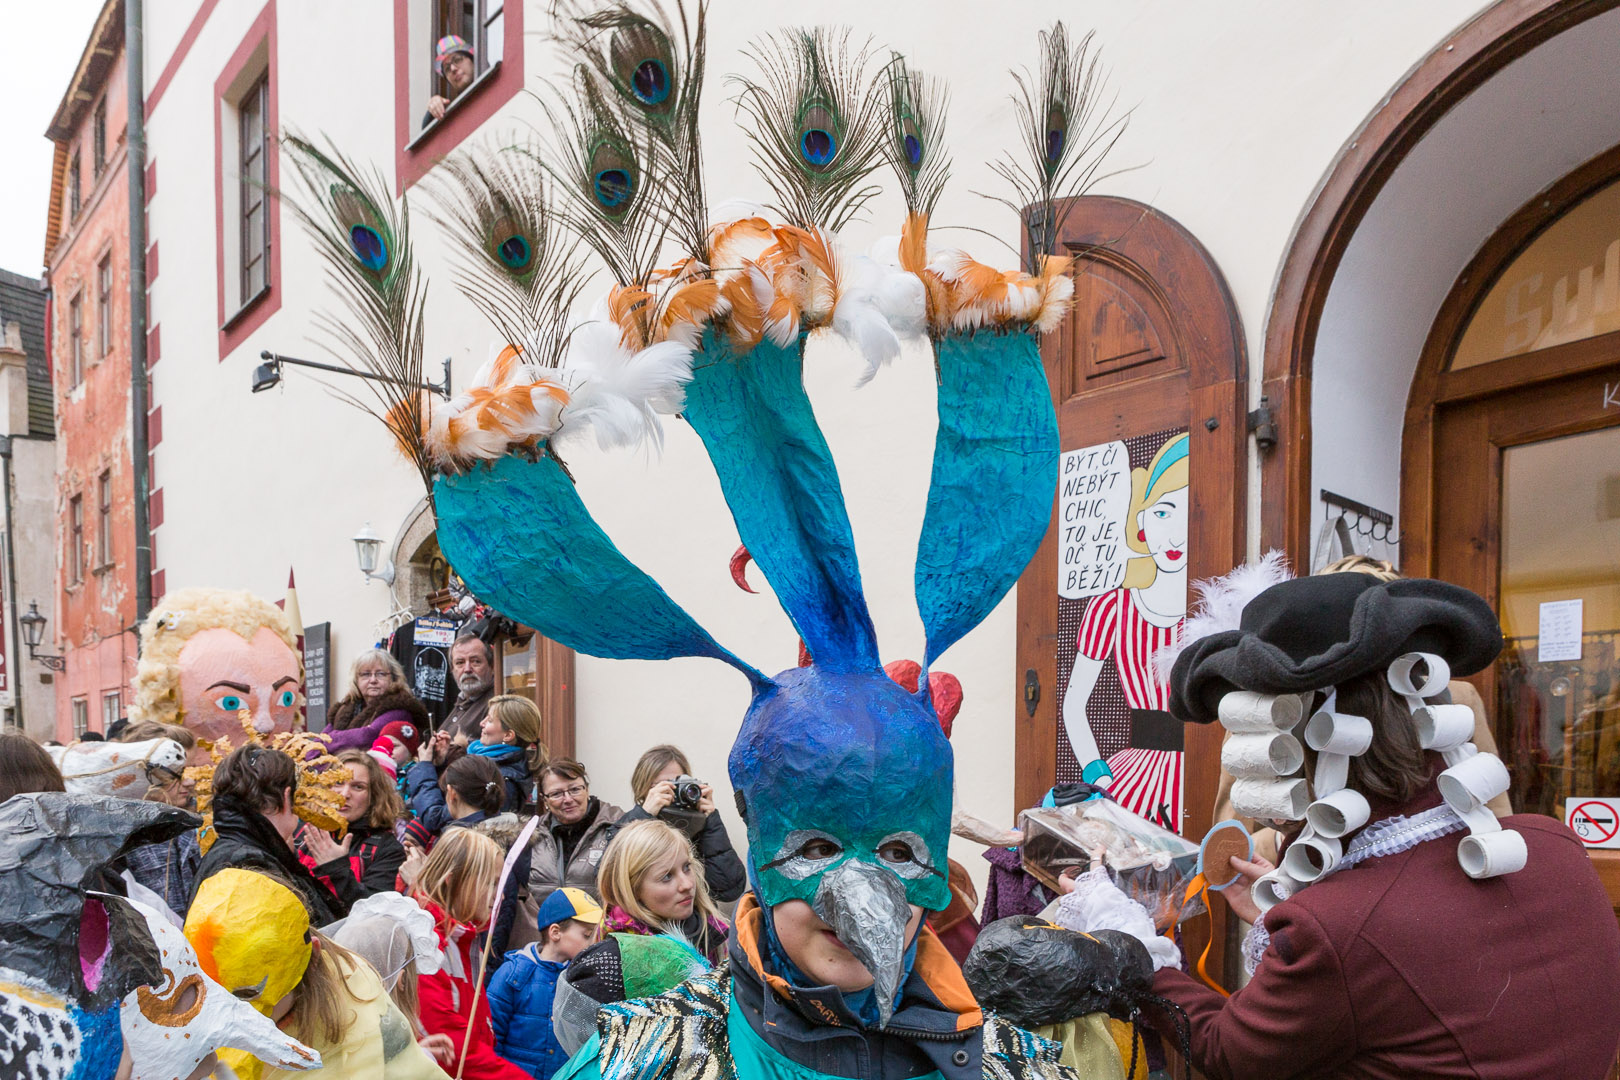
x=843, y=778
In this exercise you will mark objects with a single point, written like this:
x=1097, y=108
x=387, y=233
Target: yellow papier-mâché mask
x=251, y=934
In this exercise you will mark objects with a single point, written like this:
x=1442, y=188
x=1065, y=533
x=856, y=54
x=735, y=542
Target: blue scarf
x=480, y=748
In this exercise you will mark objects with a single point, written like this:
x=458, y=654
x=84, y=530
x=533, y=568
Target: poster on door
x=1122, y=596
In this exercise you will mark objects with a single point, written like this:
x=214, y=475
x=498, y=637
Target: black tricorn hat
x=1316, y=632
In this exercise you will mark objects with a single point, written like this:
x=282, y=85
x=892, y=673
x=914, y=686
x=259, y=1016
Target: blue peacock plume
x=843, y=777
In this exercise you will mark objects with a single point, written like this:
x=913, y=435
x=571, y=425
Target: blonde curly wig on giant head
x=174, y=621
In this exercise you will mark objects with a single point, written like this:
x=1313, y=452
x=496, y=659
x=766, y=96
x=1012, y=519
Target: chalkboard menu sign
x=317, y=674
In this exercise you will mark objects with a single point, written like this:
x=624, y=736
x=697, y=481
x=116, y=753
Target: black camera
x=688, y=793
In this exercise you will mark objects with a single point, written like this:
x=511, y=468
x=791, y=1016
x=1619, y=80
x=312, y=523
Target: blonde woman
x=1127, y=626
x=652, y=883
x=510, y=737
x=456, y=886
x=368, y=857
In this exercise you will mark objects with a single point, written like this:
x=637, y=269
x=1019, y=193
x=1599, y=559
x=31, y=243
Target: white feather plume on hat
x=1220, y=605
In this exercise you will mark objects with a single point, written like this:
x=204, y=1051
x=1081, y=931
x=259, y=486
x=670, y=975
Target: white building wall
x=33, y=493
x=1238, y=111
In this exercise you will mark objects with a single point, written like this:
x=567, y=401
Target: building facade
x=28, y=502
x=1272, y=289
x=92, y=607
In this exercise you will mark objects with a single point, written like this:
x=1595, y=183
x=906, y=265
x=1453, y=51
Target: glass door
x=1558, y=681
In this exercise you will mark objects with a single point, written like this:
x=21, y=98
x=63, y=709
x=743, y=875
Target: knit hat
x=447, y=47
x=418, y=834
x=379, y=753
x=406, y=733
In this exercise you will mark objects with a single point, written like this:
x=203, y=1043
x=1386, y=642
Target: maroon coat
x=1405, y=967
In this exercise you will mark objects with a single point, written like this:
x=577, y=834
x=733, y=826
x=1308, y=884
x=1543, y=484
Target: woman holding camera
x=664, y=787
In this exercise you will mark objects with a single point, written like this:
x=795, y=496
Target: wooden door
x=1149, y=377
x=1526, y=512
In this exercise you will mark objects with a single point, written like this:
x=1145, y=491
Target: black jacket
x=722, y=867
x=370, y=867
x=244, y=839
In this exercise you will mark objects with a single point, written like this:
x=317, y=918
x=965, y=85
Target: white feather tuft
x=1220, y=605
x=619, y=394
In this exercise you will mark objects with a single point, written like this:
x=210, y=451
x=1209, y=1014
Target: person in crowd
x=470, y=790
x=652, y=883
x=254, y=935
x=254, y=824
x=472, y=665
x=378, y=697
x=168, y=868
x=456, y=885
x=367, y=860
x=566, y=850
x=510, y=737
x=652, y=782
x=26, y=767
x=521, y=994
x=391, y=933
x=453, y=59
x=400, y=741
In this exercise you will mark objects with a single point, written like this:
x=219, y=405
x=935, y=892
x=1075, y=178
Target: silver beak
x=866, y=907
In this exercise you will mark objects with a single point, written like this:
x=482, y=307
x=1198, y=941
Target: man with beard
x=472, y=665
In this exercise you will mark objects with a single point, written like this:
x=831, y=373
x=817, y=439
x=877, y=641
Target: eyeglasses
x=566, y=793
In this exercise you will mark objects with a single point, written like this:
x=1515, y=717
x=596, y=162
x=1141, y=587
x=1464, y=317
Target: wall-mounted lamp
x=368, y=549
x=33, y=628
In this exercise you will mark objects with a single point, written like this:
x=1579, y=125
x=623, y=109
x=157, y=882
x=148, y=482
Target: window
x=99, y=156
x=481, y=23
x=104, y=532
x=255, y=217
x=104, y=306
x=76, y=341
x=111, y=703
x=81, y=717
x=75, y=553
x=73, y=186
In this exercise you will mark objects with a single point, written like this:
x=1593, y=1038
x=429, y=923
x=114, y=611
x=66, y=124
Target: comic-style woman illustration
x=1128, y=626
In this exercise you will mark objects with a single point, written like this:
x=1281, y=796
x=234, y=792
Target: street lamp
x=33, y=628
x=268, y=374
x=368, y=549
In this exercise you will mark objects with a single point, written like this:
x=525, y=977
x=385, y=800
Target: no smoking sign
x=1595, y=821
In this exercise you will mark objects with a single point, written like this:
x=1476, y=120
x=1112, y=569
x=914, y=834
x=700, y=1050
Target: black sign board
x=317, y=674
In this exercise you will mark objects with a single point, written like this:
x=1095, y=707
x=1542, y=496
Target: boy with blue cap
x=522, y=991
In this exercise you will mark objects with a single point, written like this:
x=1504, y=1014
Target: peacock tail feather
x=1067, y=131
x=494, y=207
x=611, y=198
x=363, y=237
x=655, y=68
x=817, y=128
x=915, y=146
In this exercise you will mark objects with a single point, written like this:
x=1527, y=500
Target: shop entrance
x=1512, y=488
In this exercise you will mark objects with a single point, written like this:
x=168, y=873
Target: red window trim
x=234, y=327
x=413, y=159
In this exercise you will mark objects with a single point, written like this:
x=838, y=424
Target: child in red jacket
x=456, y=886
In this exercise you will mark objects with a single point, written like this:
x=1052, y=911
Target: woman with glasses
x=377, y=696
x=575, y=827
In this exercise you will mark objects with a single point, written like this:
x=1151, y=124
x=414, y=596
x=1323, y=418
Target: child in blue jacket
x=521, y=993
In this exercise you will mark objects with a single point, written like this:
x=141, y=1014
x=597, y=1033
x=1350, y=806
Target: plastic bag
x=1150, y=864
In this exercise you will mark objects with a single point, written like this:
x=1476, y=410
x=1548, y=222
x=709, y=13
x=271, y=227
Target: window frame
x=81, y=716
x=109, y=717
x=104, y=531
x=76, y=560
x=75, y=187
x=98, y=136
x=104, y=287
x=253, y=245
x=76, y=343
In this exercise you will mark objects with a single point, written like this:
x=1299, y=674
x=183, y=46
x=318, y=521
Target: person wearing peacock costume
x=843, y=777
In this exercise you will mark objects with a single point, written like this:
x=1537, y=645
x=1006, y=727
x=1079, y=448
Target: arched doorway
x=1511, y=487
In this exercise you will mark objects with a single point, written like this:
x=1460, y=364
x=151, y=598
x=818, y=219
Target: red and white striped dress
x=1114, y=627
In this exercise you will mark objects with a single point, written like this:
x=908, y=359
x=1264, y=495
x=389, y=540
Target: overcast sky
x=38, y=73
